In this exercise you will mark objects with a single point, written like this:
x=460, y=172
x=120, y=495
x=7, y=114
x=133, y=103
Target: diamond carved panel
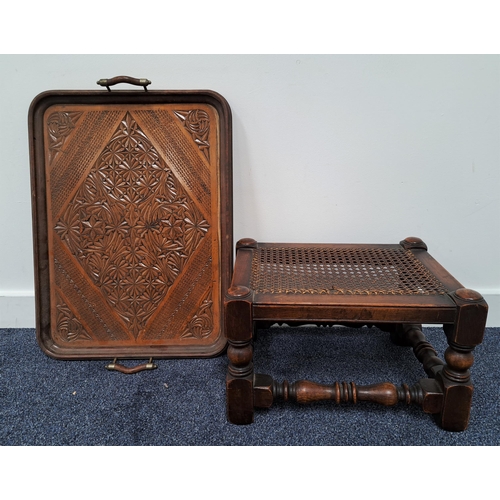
x=131, y=225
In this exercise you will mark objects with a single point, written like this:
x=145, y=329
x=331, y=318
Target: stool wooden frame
x=394, y=287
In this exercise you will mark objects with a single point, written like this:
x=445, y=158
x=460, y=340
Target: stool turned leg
x=457, y=388
x=463, y=336
x=239, y=381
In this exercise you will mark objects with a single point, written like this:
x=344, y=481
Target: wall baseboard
x=18, y=310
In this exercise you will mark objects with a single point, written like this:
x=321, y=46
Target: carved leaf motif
x=68, y=326
x=201, y=324
x=131, y=225
x=197, y=122
x=60, y=125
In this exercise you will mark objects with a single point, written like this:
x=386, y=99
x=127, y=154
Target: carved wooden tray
x=132, y=217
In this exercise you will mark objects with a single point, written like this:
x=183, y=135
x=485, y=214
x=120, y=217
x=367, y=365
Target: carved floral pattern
x=60, y=126
x=197, y=122
x=68, y=326
x=131, y=225
x=201, y=324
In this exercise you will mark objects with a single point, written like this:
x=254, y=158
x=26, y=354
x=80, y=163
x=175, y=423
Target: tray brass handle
x=114, y=366
x=109, y=82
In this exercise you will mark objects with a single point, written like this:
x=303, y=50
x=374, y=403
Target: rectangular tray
x=132, y=222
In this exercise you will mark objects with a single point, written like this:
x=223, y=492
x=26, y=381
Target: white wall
x=326, y=149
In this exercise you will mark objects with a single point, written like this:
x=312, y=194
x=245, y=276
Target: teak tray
x=132, y=218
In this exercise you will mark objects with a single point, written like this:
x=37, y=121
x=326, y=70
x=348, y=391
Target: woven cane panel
x=341, y=271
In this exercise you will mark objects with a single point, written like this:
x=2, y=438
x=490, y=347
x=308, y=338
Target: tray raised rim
x=36, y=111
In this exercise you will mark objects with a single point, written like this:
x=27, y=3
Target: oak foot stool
x=394, y=287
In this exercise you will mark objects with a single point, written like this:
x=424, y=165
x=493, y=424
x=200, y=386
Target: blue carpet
x=49, y=402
